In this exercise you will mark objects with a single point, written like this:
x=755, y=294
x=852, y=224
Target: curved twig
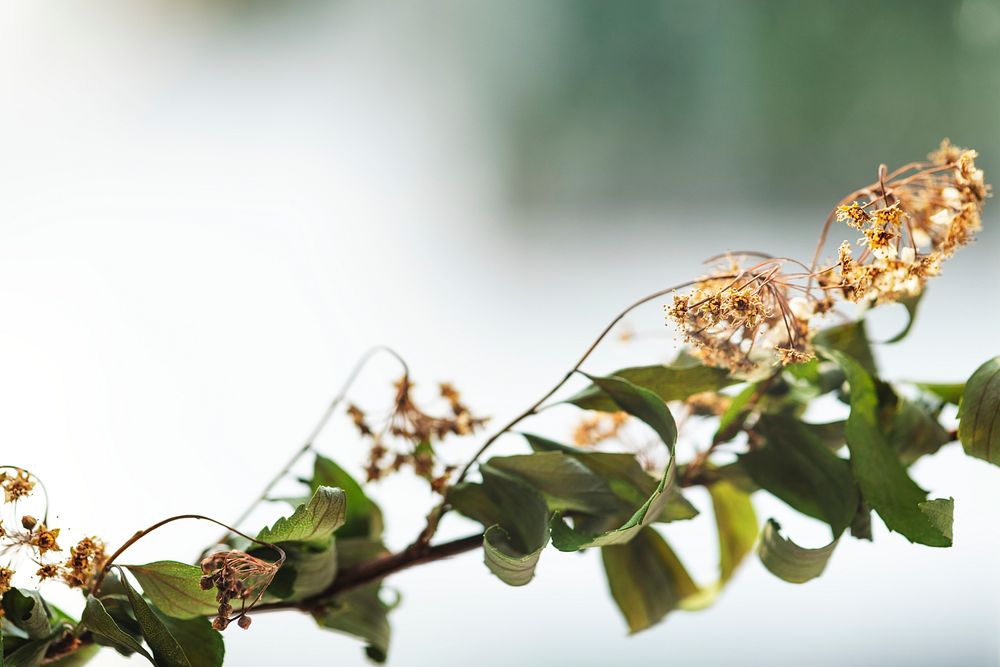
x=159, y=524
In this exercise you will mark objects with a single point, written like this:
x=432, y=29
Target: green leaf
x=795, y=466
x=313, y=523
x=566, y=538
x=735, y=414
x=563, y=480
x=880, y=475
x=940, y=512
x=201, y=643
x=509, y=562
x=354, y=550
x=166, y=651
x=787, y=560
x=27, y=611
x=623, y=475
x=737, y=526
x=29, y=654
x=513, y=545
x=309, y=570
x=360, y=613
x=910, y=303
x=949, y=393
x=363, y=517
x=77, y=658
x=646, y=579
x=850, y=339
x=979, y=413
x=648, y=407
x=641, y=403
x=671, y=383
x=470, y=500
x=913, y=432
x=174, y=588
x=97, y=619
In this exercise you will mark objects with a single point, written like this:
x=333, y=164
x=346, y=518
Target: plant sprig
x=765, y=337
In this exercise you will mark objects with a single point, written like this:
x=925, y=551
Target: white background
x=202, y=227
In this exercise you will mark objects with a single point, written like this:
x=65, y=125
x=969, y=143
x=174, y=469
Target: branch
x=383, y=566
x=376, y=569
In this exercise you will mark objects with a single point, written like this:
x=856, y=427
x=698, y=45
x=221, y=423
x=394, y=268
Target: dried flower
x=47, y=571
x=358, y=417
x=17, y=486
x=880, y=241
x=86, y=559
x=237, y=576
x=735, y=317
x=6, y=576
x=853, y=214
x=596, y=427
x=44, y=539
x=744, y=318
x=409, y=435
x=708, y=403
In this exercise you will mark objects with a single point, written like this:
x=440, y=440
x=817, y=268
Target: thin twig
x=320, y=425
x=159, y=524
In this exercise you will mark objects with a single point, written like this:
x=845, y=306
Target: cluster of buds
x=35, y=541
x=913, y=219
x=410, y=433
x=236, y=575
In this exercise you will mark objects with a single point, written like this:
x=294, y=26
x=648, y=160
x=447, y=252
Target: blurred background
x=209, y=210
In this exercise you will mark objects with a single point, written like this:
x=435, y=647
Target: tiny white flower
x=952, y=197
x=921, y=238
x=886, y=252
x=801, y=308
x=911, y=285
x=942, y=217
x=907, y=255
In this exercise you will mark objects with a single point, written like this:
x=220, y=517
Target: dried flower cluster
x=31, y=539
x=747, y=317
x=236, y=575
x=16, y=486
x=741, y=318
x=708, y=404
x=597, y=427
x=408, y=436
